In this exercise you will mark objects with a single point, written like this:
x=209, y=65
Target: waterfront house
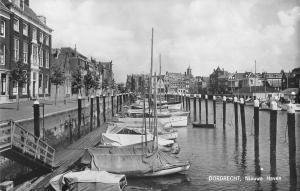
x=30, y=43
x=4, y=53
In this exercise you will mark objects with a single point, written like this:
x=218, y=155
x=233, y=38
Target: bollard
x=104, y=109
x=214, y=110
x=206, y=109
x=92, y=113
x=195, y=108
x=273, y=133
x=224, y=112
x=242, y=108
x=292, y=144
x=112, y=105
x=256, y=137
x=98, y=110
x=236, y=116
x=200, y=108
x=36, y=116
x=79, y=114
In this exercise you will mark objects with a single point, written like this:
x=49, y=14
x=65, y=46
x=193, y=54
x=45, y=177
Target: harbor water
x=215, y=153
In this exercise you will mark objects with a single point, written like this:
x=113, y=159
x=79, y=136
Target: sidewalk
x=9, y=111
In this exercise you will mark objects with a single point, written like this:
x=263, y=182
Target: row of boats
x=139, y=142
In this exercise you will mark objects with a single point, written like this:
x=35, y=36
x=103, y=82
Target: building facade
x=4, y=53
x=29, y=43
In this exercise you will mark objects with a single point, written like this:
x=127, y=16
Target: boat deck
x=67, y=156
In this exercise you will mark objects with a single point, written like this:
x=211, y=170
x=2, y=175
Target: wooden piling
x=256, y=137
x=199, y=108
x=183, y=102
x=236, y=116
x=112, y=105
x=79, y=103
x=206, y=109
x=36, y=118
x=292, y=144
x=104, y=109
x=242, y=110
x=92, y=113
x=121, y=102
x=214, y=110
x=195, y=108
x=273, y=134
x=98, y=110
x=224, y=112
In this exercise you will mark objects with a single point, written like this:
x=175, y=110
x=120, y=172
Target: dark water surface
x=215, y=152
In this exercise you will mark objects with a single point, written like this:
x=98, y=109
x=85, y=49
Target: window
x=25, y=29
x=41, y=37
x=47, y=59
x=41, y=58
x=2, y=54
x=46, y=84
x=34, y=34
x=3, y=84
x=34, y=54
x=46, y=40
x=16, y=49
x=25, y=52
x=16, y=25
x=2, y=28
x=40, y=82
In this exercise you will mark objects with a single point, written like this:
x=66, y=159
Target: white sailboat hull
x=168, y=171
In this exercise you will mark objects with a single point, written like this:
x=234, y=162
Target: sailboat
x=140, y=159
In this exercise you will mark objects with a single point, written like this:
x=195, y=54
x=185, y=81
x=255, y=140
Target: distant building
x=272, y=80
x=217, y=87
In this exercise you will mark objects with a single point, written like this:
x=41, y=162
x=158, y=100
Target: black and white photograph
x=149, y=95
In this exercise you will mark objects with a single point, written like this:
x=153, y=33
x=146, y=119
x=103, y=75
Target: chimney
x=42, y=19
x=26, y=2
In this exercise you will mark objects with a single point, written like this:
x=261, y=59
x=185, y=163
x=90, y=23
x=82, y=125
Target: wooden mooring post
x=36, y=118
x=183, y=102
x=256, y=138
x=236, y=117
x=79, y=103
x=242, y=110
x=273, y=134
x=112, y=106
x=195, y=107
x=215, y=110
x=98, y=110
x=104, y=108
x=206, y=109
x=224, y=112
x=292, y=144
x=92, y=113
x=199, y=100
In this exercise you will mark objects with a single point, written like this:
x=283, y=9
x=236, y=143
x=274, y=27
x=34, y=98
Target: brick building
x=4, y=53
x=30, y=43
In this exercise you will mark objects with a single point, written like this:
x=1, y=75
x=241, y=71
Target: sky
x=202, y=34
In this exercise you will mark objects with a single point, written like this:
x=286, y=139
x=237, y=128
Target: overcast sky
x=201, y=33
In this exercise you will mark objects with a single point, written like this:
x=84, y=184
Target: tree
x=90, y=81
x=19, y=76
x=57, y=77
x=77, y=81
